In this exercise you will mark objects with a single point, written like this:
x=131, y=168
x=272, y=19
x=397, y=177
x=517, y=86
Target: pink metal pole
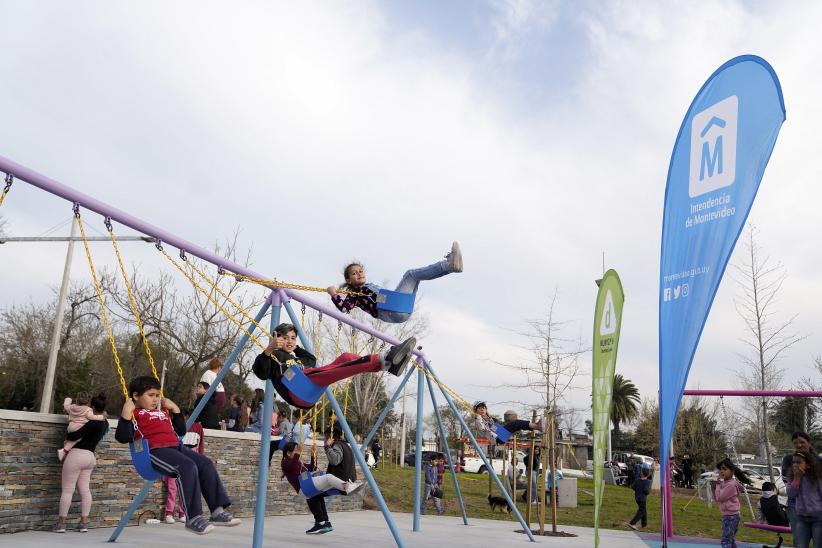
x=775, y=393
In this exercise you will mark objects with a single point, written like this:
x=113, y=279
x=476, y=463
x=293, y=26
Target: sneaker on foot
x=353, y=487
x=225, y=519
x=398, y=356
x=61, y=454
x=455, y=258
x=631, y=526
x=327, y=527
x=59, y=528
x=169, y=519
x=82, y=527
x=440, y=512
x=199, y=526
x=318, y=529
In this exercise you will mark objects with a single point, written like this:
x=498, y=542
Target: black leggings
x=641, y=514
x=317, y=507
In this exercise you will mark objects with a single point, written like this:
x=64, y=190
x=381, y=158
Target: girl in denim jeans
x=726, y=494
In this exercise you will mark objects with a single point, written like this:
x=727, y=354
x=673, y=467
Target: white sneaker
x=455, y=258
x=169, y=519
x=353, y=487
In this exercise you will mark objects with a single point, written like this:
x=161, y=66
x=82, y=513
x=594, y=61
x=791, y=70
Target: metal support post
x=447, y=451
x=418, y=450
x=349, y=436
x=265, y=437
x=510, y=502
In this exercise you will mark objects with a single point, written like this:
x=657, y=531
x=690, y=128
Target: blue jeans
x=409, y=283
x=790, y=510
x=729, y=526
x=805, y=529
x=437, y=505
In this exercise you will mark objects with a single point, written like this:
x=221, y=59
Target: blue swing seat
x=301, y=386
x=141, y=457
x=503, y=435
x=309, y=490
x=394, y=301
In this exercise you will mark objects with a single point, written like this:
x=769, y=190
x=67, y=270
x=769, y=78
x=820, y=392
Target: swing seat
x=394, y=301
x=309, y=490
x=503, y=435
x=301, y=386
x=141, y=458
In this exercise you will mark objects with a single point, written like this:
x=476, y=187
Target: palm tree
x=625, y=402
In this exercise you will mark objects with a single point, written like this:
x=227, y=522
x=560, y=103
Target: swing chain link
x=220, y=270
x=183, y=255
x=76, y=209
x=159, y=244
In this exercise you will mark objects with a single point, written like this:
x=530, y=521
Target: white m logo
x=713, y=147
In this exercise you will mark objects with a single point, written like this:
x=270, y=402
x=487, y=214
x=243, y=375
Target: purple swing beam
x=775, y=393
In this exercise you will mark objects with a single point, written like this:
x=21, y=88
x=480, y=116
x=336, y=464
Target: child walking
x=195, y=474
x=726, y=494
x=293, y=466
x=432, y=486
x=79, y=414
x=641, y=487
x=283, y=352
x=487, y=427
x=354, y=275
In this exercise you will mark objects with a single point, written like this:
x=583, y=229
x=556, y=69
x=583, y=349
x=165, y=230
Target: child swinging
x=354, y=275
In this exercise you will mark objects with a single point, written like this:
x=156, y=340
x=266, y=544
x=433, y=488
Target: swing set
x=279, y=298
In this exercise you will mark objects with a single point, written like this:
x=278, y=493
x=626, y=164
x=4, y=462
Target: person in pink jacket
x=726, y=494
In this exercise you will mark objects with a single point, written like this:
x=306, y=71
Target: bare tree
x=555, y=364
x=766, y=337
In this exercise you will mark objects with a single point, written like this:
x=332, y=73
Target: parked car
x=475, y=464
x=410, y=457
x=754, y=474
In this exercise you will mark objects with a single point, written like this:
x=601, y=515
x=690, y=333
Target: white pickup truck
x=475, y=465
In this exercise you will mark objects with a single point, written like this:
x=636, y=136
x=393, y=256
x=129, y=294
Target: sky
x=537, y=134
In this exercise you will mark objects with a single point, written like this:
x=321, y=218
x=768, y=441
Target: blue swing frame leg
x=488, y=467
x=386, y=409
x=350, y=437
x=418, y=449
x=194, y=414
x=447, y=450
x=265, y=446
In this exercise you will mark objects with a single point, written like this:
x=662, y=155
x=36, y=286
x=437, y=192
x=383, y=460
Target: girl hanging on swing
x=488, y=427
x=354, y=275
x=283, y=353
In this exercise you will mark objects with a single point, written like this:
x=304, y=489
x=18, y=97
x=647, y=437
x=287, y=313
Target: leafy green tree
x=625, y=402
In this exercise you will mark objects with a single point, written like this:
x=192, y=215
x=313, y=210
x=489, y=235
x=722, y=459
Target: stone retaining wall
x=30, y=476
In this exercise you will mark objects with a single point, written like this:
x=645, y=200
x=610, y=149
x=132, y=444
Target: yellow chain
x=133, y=303
x=299, y=287
x=214, y=301
x=9, y=181
x=102, y=307
x=216, y=288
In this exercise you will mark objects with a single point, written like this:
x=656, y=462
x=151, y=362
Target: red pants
x=346, y=365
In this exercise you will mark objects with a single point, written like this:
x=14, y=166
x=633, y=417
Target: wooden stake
x=529, y=471
x=553, y=441
x=544, y=482
x=514, y=471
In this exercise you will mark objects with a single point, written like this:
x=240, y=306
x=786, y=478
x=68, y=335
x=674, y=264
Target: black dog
x=500, y=502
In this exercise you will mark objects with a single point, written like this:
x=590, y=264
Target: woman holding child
x=78, y=464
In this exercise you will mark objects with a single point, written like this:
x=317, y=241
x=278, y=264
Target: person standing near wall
x=209, y=376
x=78, y=465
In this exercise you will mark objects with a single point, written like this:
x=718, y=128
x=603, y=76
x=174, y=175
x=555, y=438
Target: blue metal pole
x=447, y=451
x=265, y=438
x=418, y=450
x=194, y=414
x=488, y=467
x=349, y=436
x=387, y=409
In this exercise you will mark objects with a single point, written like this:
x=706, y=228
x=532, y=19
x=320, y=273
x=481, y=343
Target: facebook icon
x=713, y=147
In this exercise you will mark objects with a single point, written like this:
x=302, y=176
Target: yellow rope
x=214, y=301
x=299, y=287
x=133, y=303
x=216, y=288
x=100, y=300
x=9, y=181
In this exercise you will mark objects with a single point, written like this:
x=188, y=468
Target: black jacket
x=89, y=435
x=272, y=367
x=346, y=469
x=772, y=511
x=208, y=416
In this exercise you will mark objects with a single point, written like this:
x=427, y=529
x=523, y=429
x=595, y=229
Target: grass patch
x=396, y=485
